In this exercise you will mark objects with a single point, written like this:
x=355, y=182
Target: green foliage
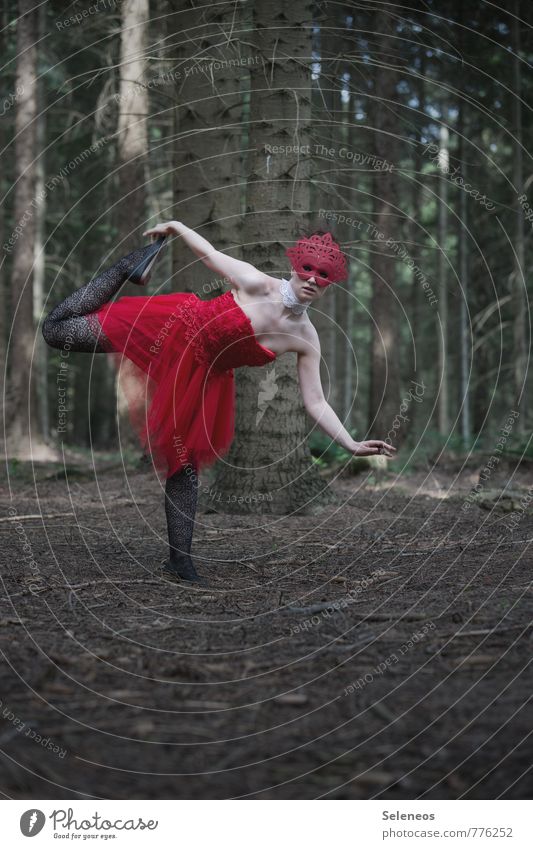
x=519, y=447
x=324, y=451
x=330, y=455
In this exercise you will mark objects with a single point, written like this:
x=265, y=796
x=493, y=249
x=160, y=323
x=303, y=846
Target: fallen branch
x=341, y=647
x=314, y=608
x=34, y=516
x=398, y=617
x=483, y=632
x=338, y=603
x=109, y=581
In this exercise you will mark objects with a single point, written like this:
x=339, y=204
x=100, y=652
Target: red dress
x=176, y=355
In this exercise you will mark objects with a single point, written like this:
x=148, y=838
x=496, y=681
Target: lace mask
x=319, y=257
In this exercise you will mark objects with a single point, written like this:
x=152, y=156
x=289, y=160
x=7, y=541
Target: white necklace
x=289, y=298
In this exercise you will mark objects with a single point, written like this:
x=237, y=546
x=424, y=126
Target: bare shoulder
x=256, y=283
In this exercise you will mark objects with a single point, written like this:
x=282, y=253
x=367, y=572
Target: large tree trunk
x=4, y=296
x=325, y=190
x=385, y=370
x=41, y=348
x=416, y=246
x=21, y=424
x=338, y=179
x=132, y=123
x=132, y=157
x=345, y=234
x=208, y=136
x=269, y=463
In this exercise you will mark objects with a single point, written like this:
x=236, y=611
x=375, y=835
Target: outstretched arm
x=238, y=273
x=319, y=409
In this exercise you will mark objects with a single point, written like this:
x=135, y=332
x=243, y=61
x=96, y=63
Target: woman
x=177, y=354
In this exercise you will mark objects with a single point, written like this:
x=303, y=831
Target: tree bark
x=21, y=395
x=269, y=462
x=465, y=358
x=325, y=191
x=442, y=327
x=208, y=135
x=520, y=300
x=337, y=99
x=132, y=123
x=4, y=292
x=384, y=369
x=416, y=245
x=133, y=158
x=41, y=349
x=345, y=298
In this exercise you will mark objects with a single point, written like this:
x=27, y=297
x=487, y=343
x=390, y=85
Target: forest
x=410, y=144
x=406, y=130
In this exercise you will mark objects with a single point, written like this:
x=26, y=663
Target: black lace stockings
x=70, y=323
x=181, y=496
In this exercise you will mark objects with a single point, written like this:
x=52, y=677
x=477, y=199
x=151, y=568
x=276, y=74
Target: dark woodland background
x=253, y=122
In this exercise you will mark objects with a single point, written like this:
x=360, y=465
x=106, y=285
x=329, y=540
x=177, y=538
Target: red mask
x=319, y=257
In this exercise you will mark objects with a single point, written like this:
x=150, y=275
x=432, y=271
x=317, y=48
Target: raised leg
x=181, y=496
x=70, y=322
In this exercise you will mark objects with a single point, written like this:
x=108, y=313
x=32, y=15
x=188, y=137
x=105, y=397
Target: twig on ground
x=34, y=516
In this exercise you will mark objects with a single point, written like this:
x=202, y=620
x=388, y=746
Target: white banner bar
x=267, y=824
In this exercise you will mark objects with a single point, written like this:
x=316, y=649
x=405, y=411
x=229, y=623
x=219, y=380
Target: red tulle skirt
x=182, y=411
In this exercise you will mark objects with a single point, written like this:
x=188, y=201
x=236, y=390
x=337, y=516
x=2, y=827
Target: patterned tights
x=70, y=323
x=181, y=495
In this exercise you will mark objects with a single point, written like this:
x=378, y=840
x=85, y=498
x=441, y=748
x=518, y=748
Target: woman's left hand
x=372, y=448
x=167, y=228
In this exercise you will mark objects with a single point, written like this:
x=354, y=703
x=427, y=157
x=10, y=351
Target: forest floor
x=379, y=650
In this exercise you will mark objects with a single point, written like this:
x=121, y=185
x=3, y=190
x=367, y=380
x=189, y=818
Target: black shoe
x=183, y=568
x=144, y=260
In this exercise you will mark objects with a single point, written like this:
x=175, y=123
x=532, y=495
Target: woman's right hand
x=169, y=228
x=372, y=447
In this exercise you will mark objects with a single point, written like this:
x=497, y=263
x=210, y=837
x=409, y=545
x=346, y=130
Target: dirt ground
x=379, y=650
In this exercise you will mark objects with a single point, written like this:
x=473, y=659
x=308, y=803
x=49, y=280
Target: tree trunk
x=21, y=425
x=132, y=124
x=41, y=348
x=133, y=158
x=325, y=192
x=416, y=247
x=208, y=137
x=345, y=298
x=520, y=299
x=384, y=371
x=336, y=180
x=442, y=326
x=4, y=294
x=269, y=466
x=464, y=330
